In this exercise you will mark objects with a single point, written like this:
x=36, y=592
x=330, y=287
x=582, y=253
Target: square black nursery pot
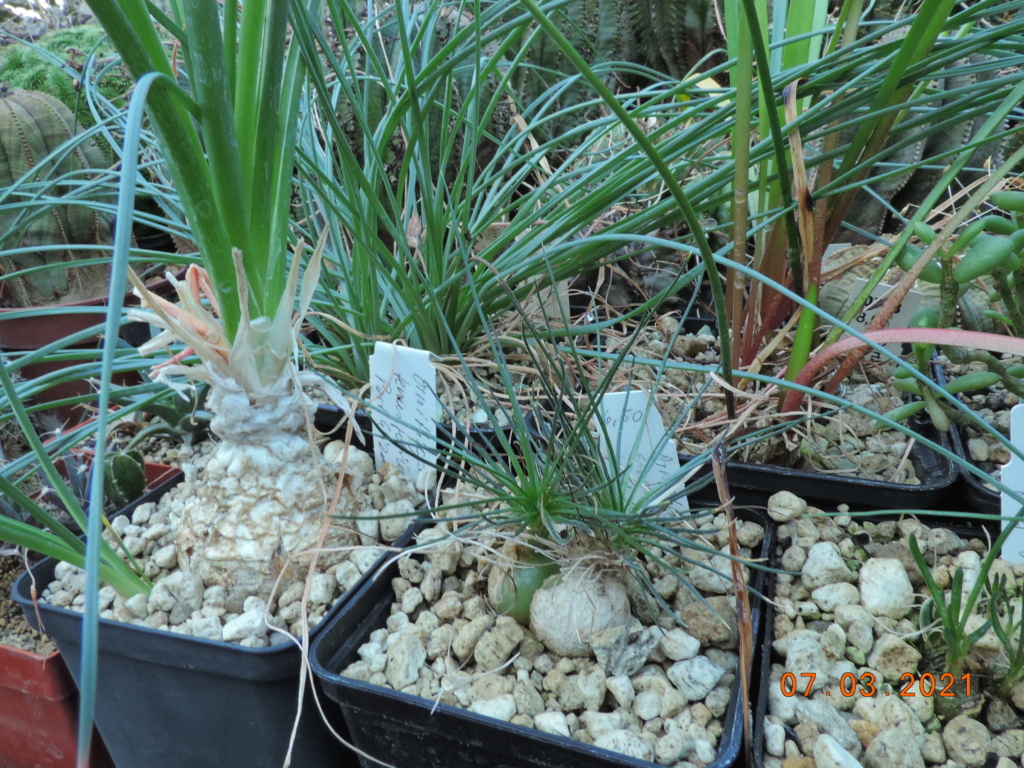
x=408, y=731
x=166, y=700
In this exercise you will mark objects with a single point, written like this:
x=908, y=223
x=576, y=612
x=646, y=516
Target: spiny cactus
x=25, y=68
x=32, y=125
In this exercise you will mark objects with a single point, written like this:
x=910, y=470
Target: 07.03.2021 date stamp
x=865, y=684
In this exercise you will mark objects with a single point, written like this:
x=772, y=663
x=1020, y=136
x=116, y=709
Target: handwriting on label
x=403, y=401
x=637, y=436
x=1012, y=476
x=900, y=318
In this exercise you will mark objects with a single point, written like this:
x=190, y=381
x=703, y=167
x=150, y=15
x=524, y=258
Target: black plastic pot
x=174, y=701
x=980, y=496
x=936, y=472
x=763, y=667
x=405, y=731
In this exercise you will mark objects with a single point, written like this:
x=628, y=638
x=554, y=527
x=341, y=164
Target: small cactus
x=124, y=477
x=32, y=126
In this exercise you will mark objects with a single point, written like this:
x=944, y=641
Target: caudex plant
x=228, y=137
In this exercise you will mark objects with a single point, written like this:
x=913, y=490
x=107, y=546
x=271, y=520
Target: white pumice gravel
x=847, y=619
x=656, y=692
x=179, y=601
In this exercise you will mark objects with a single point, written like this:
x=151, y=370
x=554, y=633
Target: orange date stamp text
x=865, y=684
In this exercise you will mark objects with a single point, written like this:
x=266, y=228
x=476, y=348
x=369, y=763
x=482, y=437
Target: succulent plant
x=59, y=73
x=32, y=126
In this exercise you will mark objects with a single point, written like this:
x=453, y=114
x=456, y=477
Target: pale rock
x=825, y=565
x=894, y=748
x=501, y=707
x=774, y=738
x=495, y=646
x=160, y=598
x=833, y=642
x=248, y=624
x=885, y=589
x=467, y=637
x=673, y=702
x=647, y=705
x=292, y=594
x=860, y=636
x=703, y=751
x=365, y=558
x=528, y=700
x=785, y=506
x=138, y=606
x=625, y=743
x=431, y=584
x=830, y=596
x=714, y=577
x=411, y=600
x=847, y=614
x=404, y=659
x=805, y=656
x=623, y=650
x=828, y=754
x=673, y=747
x=166, y=557
x=793, y=558
x=449, y=607
x=1009, y=743
x=932, y=748
x=599, y=723
x=621, y=687
x=828, y=720
x=678, y=645
x=209, y=628
x=967, y=741
x=893, y=657
x=552, y=722
x=395, y=518
x=583, y=691
x=696, y=677
x=321, y=590
x=490, y=685
x=885, y=712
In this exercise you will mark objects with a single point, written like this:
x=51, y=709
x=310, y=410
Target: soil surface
x=14, y=630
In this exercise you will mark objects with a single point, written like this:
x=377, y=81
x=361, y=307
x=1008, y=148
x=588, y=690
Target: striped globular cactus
x=669, y=36
x=58, y=74
x=32, y=126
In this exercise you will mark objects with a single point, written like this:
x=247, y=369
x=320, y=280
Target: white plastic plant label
x=634, y=428
x=403, y=399
x=900, y=318
x=1012, y=477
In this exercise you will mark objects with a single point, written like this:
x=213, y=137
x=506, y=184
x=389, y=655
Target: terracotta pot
x=39, y=713
x=51, y=323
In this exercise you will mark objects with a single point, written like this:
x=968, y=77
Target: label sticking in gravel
x=637, y=436
x=1012, y=477
x=403, y=387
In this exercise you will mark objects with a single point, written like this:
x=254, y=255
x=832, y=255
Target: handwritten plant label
x=634, y=428
x=900, y=318
x=1012, y=477
x=404, y=405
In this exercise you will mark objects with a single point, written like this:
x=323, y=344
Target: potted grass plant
x=564, y=521
x=233, y=172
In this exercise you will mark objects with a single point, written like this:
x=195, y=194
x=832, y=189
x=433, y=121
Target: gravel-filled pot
x=856, y=663
x=403, y=729
x=173, y=700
